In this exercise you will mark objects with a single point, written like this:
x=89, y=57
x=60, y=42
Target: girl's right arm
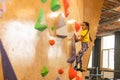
x=78, y=37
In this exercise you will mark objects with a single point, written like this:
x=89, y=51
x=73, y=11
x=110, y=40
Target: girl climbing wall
x=84, y=37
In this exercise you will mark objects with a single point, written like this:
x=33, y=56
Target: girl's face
x=83, y=26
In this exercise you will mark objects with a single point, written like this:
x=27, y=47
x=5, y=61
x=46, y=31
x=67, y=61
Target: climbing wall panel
x=92, y=12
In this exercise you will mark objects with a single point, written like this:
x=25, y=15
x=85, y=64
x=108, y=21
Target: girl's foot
x=81, y=70
x=75, y=68
x=71, y=59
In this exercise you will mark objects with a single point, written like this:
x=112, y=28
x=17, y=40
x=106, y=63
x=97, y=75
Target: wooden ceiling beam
x=110, y=20
x=114, y=1
x=111, y=8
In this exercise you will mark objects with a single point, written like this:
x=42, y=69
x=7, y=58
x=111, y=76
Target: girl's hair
x=87, y=24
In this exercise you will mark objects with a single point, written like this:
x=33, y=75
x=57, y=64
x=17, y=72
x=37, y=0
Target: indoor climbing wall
x=29, y=33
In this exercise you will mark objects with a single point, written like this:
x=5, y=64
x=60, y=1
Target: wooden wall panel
x=27, y=48
x=92, y=12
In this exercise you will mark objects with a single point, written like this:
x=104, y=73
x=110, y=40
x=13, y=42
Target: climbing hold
x=78, y=78
x=77, y=26
x=66, y=13
x=40, y=23
x=66, y=6
x=44, y=71
x=72, y=73
x=51, y=42
x=61, y=21
x=43, y=1
x=55, y=5
x=60, y=71
x=52, y=28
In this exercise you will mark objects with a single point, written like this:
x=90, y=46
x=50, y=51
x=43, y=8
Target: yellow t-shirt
x=86, y=38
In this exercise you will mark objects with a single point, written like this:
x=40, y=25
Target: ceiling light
x=118, y=19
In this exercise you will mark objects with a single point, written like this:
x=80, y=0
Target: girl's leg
x=77, y=60
x=80, y=62
x=83, y=50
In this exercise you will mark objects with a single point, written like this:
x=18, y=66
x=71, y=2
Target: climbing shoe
x=81, y=70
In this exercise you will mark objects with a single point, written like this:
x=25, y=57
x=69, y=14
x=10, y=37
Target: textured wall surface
x=29, y=50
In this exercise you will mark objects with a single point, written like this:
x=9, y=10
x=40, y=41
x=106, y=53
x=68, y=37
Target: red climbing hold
x=51, y=42
x=72, y=73
x=77, y=26
x=78, y=78
x=60, y=71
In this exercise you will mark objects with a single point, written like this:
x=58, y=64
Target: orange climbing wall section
x=92, y=12
x=29, y=49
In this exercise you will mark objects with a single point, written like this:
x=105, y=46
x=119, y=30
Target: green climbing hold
x=55, y=5
x=44, y=71
x=43, y=1
x=52, y=28
x=40, y=23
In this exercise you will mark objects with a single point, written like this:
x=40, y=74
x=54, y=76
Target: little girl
x=84, y=37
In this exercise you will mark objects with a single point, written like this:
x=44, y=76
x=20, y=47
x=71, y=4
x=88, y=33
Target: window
x=90, y=61
x=108, y=52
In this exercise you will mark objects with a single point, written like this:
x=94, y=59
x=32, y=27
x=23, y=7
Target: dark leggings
x=84, y=47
